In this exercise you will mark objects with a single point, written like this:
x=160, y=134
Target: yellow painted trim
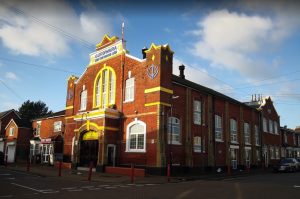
x=91, y=135
x=99, y=75
x=70, y=117
x=98, y=113
x=159, y=88
x=88, y=124
x=157, y=103
x=69, y=107
x=110, y=39
x=155, y=47
x=110, y=128
x=72, y=77
x=76, y=130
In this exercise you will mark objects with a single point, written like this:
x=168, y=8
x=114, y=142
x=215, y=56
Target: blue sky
x=238, y=48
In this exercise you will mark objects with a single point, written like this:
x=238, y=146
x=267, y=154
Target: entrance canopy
x=91, y=135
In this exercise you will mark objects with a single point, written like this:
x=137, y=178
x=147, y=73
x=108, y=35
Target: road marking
x=124, y=186
x=67, y=188
x=110, y=187
x=86, y=187
x=7, y=196
x=139, y=185
x=92, y=189
x=104, y=185
x=75, y=190
x=296, y=186
x=26, y=187
x=50, y=191
x=150, y=184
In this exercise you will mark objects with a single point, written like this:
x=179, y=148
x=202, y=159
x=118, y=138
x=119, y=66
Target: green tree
x=30, y=110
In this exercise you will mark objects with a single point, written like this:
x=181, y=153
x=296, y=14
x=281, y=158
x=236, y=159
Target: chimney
x=181, y=69
x=144, y=53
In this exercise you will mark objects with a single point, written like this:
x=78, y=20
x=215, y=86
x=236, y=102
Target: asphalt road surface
x=14, y=184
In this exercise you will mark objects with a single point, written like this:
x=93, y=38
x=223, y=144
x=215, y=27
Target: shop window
x=233, y=131
x=218, y=128
x=173, y=130
x=105, y=88
x=129, y=90
x=197, y=112
x=136, y=137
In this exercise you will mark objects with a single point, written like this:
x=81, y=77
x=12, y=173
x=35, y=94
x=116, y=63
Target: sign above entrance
x=107, y=52
x=91, y=135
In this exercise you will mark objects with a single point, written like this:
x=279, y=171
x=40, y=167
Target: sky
x=238, y=48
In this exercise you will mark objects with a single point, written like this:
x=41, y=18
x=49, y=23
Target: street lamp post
x=171, y=130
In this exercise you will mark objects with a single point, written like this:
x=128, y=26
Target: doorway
x=89, y=147
x=111, y=154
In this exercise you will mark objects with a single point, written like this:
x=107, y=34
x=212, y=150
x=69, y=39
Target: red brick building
x=17, y=135
x=270, y=128
x=290, y=143
x=125, y=110
x=46, y=146
x=5, y=118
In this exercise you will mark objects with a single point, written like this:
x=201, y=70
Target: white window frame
x=218, y=128
x=83, y=100
x=271, y=129
x=128, y=133
x=233, y=131
x=129, y=89
x=11, y=131
x=197, y=144
x=38, y=128
x=265, y=125
x=276, y=128
x=197, y=112
x=233, y=152
x=257, y=136
x=272, y=153
x=277, y=156
x=257, y=154
x=57, y=126
x=247, y=133
x=176, y=130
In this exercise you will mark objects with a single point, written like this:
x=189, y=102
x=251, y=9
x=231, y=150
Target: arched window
x=136, y=137
x=83, y=100
x=173, y=130
x=105, y=88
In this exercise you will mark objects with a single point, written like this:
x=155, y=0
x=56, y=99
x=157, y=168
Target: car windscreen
x=284, y=161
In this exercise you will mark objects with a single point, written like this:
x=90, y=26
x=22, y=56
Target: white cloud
x=48, y=27
x=6, y=105
x=11, y=75
x=233, y=41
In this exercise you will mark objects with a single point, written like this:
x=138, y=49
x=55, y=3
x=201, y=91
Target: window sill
x=234, y=142
x=128, y=101
x=217, y=140
x=174, y=143
x=135, y=151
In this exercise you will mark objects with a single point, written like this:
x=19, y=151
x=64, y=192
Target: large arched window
x=105, y=88
x=136, y=137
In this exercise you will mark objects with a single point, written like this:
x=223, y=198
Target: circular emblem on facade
x=152, y=71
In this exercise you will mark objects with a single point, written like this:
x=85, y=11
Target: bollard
x=28, y=165
x=59, y=168
x=132, y=173
x=6, y=161
x=90, y=171
x=228, y=170
x=168, y=172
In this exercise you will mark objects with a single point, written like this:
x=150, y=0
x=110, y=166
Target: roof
x=20, y=123
x=4, y=113
x=56, y=114
x=196, y=86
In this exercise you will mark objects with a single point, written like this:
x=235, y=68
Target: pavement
x=78, y=175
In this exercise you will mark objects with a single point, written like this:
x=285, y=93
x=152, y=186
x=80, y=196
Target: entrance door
x=111, y=154
x=88, y=152
x=11, y=152
x=233, y=154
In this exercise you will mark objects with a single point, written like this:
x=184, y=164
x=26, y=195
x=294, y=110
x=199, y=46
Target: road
x=14, y=184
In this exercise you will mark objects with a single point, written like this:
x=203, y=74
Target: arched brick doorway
x=89, y=147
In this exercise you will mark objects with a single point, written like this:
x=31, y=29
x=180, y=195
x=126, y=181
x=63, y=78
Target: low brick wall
x=64, y=165
x=125, y=171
